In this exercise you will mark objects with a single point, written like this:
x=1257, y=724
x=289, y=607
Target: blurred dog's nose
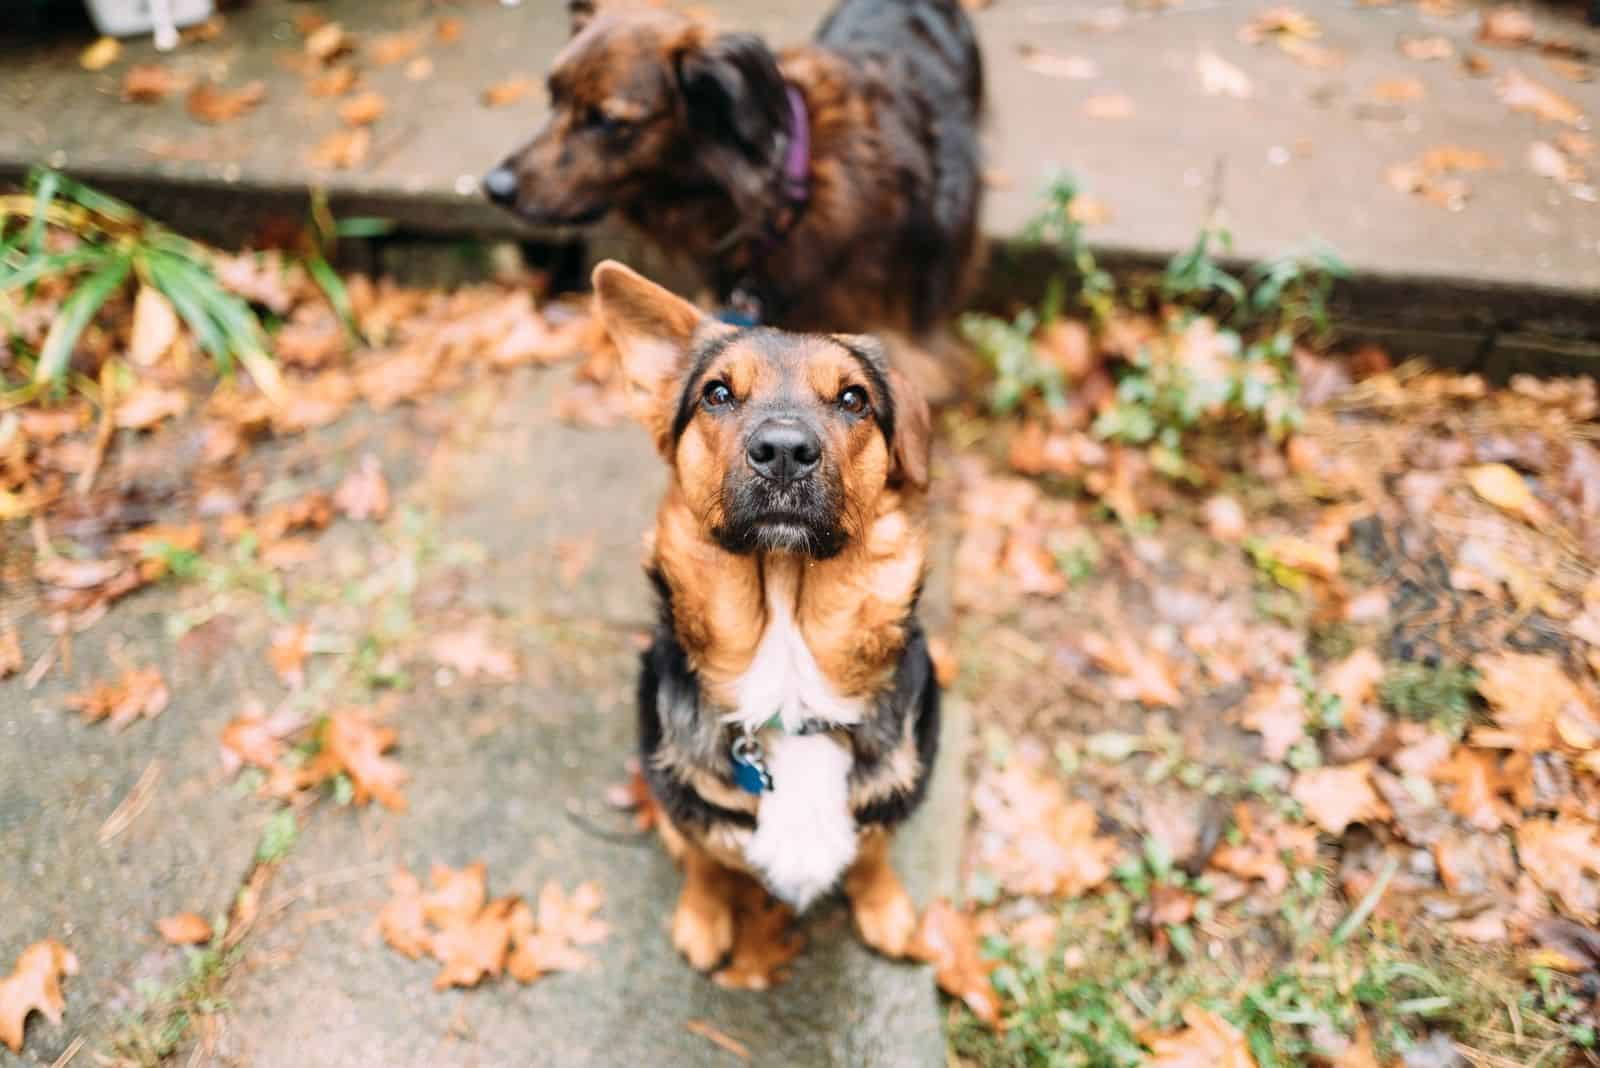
x=783, y=450
x=500, y=185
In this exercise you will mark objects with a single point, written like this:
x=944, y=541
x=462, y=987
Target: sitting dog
x=834, y=185
x=788, y=713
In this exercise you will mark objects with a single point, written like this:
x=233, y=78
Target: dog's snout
x=500, y=185
x=784, y=450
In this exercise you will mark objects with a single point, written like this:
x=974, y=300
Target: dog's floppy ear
x=579, y=12
x=652, y=329
x=913, y=433
x=734, y=91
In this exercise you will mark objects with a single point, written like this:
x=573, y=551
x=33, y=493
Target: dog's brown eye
x=854, y=400
x=716, y=395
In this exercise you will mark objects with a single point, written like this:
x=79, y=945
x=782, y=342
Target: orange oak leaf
x=209, y=103
x=1479, y=782
x=287, y=653
x=1208, y=1041
x=352, y=742
x=401, y=920
x=139, y=692
x=475, y=948
x=1563, y=857
x=185, y=929
x=34, y=986
x=948, y=940
x=1336, y=797
x=457, y=896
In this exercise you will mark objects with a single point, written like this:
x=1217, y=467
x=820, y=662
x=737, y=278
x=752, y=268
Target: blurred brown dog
x=832, y=186
x=788, y=712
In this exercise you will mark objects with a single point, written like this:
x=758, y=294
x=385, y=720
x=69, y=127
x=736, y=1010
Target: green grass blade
x=45, y=184
x=40, y=267
x=76, y=312
x=332, y=287
x=365, y=226
x=169, y=274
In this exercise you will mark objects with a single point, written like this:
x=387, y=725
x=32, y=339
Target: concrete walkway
x=510, y=773
x=1302, y=157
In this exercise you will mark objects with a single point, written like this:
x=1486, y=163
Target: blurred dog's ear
x=734, y=89
x=579, y=12
x=913, y=433
x=653, y=330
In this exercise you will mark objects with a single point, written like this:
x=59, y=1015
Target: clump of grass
x=1445, y=694
x=1249, y=322
x=64, y=231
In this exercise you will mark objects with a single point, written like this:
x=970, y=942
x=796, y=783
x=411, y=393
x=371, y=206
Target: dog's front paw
x=886, y=918
x=702, y=930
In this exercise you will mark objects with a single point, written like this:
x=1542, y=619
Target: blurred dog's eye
x=597, y=119
x=716, y=395
x=854, y=400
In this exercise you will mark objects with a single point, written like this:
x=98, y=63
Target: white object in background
x=127, y=18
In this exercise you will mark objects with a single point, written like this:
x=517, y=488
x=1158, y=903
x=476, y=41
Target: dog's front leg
x=884, y=912
x=702, y=925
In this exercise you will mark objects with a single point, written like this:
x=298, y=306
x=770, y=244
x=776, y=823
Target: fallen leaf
x=391, y=48
x=1521, y=93
x=1531, y=697
x=1478, y=783
x=705, y=1030
x=1508, y=491
x=364, y=493
x=1087, y=210
x=328, y=41
x=947, y=940
x=1336, y=797
x=147, y=404
x=1570, y=69
x=155, y=327
x=250, y=739
x=764, y=941
x=100, y=55
x=1548, y=161
x=1278, y=714
x=209, y=103
x=342, y=150
x=1398, y=90
x=1054, y=65
x=1035, y=840
x=71, y=574
x=1218, y=77
x=148, y=83
x=335, y=81
x=1108, y=106
x=475, y=948
x=10, y=652
x=1207, y=1041
x=1507, y=25
x=457, y=895
x=1427, y=48
x=34, y=986
x=185, y=929
x=448, y=29
x=1278, y=22
x=1143, y=672
x=138, y=692
x=1354, y=680
x=572, y=917
x=1562, y=857
x=1303, y=555
x=401, y=920
x=362, y=110
x=352, y=742
x=419, y=69
x=471, y=652
x=504, y=94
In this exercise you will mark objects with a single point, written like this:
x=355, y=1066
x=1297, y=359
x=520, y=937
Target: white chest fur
x=805, y=835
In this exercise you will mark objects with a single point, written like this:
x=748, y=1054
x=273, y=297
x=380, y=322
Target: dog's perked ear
x=734, y=91
x=579, y=13
x=653, y=329
x=913, y=433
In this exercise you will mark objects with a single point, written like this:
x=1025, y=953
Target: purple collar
x=797, y=160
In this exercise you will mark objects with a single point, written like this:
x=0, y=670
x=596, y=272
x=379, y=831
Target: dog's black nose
x=783, y=450
x=500, y=185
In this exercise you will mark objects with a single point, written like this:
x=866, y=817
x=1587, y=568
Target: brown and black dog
x=831, y=186
x=788, y=712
